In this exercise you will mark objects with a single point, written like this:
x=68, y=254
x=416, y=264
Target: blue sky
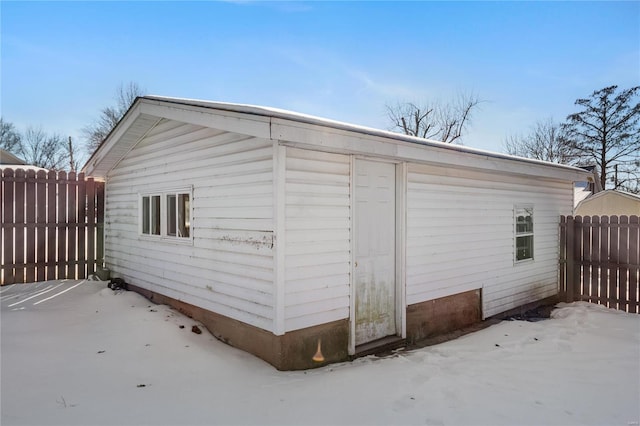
x=63, y=61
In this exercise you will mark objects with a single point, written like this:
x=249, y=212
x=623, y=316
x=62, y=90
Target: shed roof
x=302, y=130
x=7, y=158
x=614, y=193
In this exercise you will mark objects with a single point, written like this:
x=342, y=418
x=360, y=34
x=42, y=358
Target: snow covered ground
x=77, y=353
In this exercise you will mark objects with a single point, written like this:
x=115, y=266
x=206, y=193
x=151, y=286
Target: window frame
x=150, y=196
x=523, y=234
x=165, y=234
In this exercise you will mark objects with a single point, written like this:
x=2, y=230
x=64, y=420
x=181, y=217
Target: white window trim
x=163, y=215
x=517, y=207
x=141, y=211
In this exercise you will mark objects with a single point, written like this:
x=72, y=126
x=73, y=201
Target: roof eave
x=298, y=130
x=278, y=115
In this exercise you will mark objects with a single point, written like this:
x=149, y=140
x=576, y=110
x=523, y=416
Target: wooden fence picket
x=71, y=220
x=600, y=261
x=91, y=225
x=612, y=296
x=634, y=264
x=562, y=273
x=623, y=261
x=603, y=288
x=81, y=215
x=61, y=207
x=52, y=231
x=8, y=275
x=595, y=256
x=41, y=224
x=50, y=225
x=586, y=255
x=576, y=287
x=19, y=234
x=30, y=224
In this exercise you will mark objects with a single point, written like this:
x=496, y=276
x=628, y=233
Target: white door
x=375, y=250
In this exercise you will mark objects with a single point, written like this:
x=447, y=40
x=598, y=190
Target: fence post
x=61, y=207
x=634, y=263
x=603, y=293
x=570, y=259
x=72, y=213
x=41, y=225
x=577, y=259
x=52, y=222
x=614, y=262
x=19, y=226
x=30, y=223
x=623, y=262
x=100, y=224
x=8, y=227
x=585, y=260
x=595, y=258
x=562, y=272
x=82, y=226
x=91, y=227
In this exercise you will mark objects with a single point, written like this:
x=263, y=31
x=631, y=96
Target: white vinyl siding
x=229, y=267
x=460, y=236
x=270, y=227
x=317, y=218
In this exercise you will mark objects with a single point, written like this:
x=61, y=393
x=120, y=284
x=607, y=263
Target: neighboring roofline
x=275, y=113
x=14, y=160
x=634, y=197
x=25, y=167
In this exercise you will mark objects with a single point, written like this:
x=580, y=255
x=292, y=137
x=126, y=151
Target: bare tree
x=9, y=137
x=38, y=148
x=546, y=140
x=43, y=150
x=606, y=131
x=444, y=122
x=109, y=116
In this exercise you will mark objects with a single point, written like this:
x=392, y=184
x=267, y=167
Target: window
x=524, y=232
x=167, y=214
x=151, y=215
x=178, y=215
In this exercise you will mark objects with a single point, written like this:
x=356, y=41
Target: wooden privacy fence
x=600, y=260
x=52, y=225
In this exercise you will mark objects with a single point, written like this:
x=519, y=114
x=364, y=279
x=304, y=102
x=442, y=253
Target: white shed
x=280, y=230
x=609, y=203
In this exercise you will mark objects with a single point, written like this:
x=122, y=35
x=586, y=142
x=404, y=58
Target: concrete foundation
x=439, y=316
x=294, y=350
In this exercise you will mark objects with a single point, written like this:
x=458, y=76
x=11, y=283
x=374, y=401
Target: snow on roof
x=24, y=167
x=136, y=123
x=310, y=119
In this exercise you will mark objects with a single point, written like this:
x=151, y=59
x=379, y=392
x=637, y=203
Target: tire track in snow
x=50, y=288
x=62, y=292
x=37, y=287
